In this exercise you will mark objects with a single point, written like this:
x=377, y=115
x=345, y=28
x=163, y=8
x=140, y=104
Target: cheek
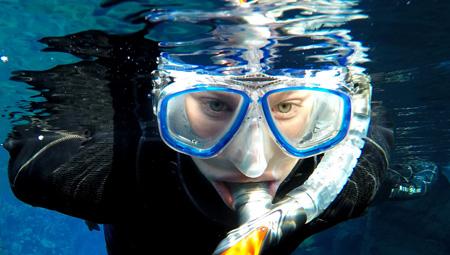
x=294, y=127
x=213, y=168
x=281, y=165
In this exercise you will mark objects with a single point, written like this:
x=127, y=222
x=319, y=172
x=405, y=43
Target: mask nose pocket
x=250, y=150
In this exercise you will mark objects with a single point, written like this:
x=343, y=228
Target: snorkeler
x=239, y=146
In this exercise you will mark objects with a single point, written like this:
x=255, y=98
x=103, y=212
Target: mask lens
x=305, y=120
x=201, y=119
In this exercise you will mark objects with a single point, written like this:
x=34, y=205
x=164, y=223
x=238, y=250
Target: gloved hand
x=413, y=179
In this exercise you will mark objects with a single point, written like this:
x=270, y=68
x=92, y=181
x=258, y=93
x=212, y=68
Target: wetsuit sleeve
x=78, y=155
x=69, y=173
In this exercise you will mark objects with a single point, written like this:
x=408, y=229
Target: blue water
x=408, y=47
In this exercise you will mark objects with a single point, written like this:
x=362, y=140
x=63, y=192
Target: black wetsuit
x=152, y=195
x=117, y=171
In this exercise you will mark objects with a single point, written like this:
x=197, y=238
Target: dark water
x=410, y=66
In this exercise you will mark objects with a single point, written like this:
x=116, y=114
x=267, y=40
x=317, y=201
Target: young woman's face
x=211, y=113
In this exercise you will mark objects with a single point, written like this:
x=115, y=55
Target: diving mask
x=199, y=114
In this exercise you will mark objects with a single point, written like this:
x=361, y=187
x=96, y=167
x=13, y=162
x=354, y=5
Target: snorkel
x=262, y=223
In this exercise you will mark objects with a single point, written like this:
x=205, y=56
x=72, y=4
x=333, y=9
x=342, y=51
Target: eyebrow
x=218, y=95
x=288, y=94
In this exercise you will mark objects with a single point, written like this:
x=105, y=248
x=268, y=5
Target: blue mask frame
x=246, y=102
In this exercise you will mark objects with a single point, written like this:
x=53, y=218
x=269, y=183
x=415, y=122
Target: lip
x=224, y=191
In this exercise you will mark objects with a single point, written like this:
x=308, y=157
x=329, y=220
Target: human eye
x=215, y=105
x=215, y=108
x=286, y=109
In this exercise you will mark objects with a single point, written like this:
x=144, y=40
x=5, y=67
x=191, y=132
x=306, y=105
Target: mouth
x=224, y=190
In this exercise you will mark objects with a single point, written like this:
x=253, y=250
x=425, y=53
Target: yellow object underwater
x=249, y=245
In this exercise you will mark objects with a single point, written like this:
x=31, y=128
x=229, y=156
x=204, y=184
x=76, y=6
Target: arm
x=91, y=175
x=69, y=173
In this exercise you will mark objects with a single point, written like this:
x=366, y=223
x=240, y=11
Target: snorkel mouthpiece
x=250, y=200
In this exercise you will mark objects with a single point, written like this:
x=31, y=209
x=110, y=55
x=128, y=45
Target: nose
x=249, y=150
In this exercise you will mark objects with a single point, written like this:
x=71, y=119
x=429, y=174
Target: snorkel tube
x=263, y=224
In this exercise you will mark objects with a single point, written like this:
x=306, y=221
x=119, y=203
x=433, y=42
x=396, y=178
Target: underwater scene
x=65, y=64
